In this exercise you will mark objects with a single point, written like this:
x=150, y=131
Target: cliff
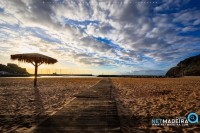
x=187, y=67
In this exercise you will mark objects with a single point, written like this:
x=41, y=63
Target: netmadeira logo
x=192, y=118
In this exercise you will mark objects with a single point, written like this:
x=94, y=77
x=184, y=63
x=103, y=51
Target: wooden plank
x=93, y=111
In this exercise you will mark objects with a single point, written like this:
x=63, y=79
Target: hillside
x=12, y=69
x=187, y=67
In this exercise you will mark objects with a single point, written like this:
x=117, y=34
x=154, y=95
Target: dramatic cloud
x=137, y=36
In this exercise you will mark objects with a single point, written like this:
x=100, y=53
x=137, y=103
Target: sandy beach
x=141, y=99
x=138, y=100
x=22, y=106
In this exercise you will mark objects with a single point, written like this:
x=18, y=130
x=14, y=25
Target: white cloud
x=137, y=32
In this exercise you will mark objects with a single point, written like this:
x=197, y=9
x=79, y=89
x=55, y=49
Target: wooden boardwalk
x=92, y=111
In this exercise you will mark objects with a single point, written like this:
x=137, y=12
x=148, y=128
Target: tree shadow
x=39, y=107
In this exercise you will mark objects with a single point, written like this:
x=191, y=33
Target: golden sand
x=142, y=99
x=139, y=100
x=22, y=105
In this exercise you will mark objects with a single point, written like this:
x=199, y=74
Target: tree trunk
x=35, y=79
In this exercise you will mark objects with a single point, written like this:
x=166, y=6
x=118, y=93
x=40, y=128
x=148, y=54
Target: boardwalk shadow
x=88, y=117
x=92, y=111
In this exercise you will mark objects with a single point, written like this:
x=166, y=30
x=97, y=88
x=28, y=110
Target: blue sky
x=95, y=36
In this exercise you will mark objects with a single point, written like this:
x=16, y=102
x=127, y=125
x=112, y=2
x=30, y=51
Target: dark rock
x=187, y=67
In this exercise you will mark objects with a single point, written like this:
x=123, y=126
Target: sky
x=140, y=37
